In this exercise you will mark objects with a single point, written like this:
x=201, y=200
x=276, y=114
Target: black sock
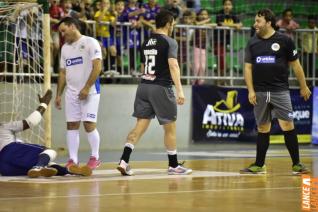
x=112, y=63
x=262, y=144
x=126, y=154
x=43, y=160
x=291, y=142
x=61, y=170
x=173, y=160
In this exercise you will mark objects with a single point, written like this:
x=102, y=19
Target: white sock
x=72, y=138
x=94, y=140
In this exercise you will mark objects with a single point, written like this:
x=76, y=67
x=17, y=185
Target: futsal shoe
x=179, y=170
x=124, y=168
x=70, y=162
x=80, y=170
x=253, y=169
x=93, y=163
x=38, y=171
x=299, y=169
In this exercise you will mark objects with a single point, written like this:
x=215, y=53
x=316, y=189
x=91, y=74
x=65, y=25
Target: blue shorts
x=107, y=42
x=17, y=158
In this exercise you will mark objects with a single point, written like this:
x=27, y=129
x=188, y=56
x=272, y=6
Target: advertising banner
x=225, y=114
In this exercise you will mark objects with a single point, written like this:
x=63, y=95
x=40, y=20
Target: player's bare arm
x=97, y=68
x=36, y=116
x=299, y=73
x=175, y=75
x=249, y=83
x=60, y=88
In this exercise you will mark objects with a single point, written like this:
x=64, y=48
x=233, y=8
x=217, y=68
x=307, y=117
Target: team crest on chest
x=275, y=47
x=82, y=47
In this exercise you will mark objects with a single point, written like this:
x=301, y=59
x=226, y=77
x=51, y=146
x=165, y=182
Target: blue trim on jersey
x=97, y=85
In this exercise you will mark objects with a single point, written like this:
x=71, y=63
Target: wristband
x=43, y=105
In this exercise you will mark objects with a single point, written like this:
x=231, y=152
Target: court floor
x=215, y=184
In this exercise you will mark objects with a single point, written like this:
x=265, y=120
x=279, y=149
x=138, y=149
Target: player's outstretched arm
x=34, y=118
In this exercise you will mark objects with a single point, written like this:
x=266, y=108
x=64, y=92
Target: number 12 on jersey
x=150, y=64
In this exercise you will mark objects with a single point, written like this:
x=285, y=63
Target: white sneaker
x=124, y=168
x=179, y=170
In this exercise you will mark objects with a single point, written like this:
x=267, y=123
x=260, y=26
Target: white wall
x=115, y=121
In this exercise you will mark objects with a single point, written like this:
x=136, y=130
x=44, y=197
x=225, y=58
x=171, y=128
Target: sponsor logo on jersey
x=275, y=47
x=91, y=115
x=74, y=61
x=294, y=52
x=265, y=59
x=151, y=42
x=82, y=47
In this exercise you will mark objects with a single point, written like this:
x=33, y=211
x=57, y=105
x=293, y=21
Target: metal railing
x=206, y=54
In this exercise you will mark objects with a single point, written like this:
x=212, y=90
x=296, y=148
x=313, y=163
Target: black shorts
x=155, y=100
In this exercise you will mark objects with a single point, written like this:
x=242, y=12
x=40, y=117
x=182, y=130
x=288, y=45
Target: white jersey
x=77, y=59
x=7, y=132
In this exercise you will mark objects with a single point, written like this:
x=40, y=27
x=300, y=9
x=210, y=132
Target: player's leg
x=89, y=108
x=41, y=168
x=73, y=118
x=175, y=168
x=262, y=113
x=283, y=111
x=165, y=107
x=144, y=112
x=73, y=170
x=132, y=139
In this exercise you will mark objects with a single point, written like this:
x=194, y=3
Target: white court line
x=239, y=154
x=113, y=175
x=149, y=193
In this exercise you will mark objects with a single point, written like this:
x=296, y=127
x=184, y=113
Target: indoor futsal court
x=215, y=184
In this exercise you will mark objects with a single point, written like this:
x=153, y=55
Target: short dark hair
x=117, y=1
x=163, y=17
x=268, y=15
x=226, y=1
x=311, y=17
x=68, y=21
x=287, y=10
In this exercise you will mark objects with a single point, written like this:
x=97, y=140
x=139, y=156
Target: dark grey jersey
x=155, y=52
x=269, y=59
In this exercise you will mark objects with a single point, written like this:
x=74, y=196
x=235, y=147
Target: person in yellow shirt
x=103, y=15
x=309, y=44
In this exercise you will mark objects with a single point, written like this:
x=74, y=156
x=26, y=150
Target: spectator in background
x=103, y=35
x=56, y=14
x=68, y=11
x=288, y=23
x=200, y=45
x=148, y=18
x=88, y=8
x=183, y=37
x=175, y=8
x=309, y=44
x=133, y=13
x=120, y=32
x=224, y=18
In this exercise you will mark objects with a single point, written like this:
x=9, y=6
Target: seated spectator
x=309, y=43
x=288, y=23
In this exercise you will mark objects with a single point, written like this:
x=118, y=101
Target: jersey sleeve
x=62, y=60
x=248, y=56
x=291, y=50
x=173, y=49
x=14, y=126
x=95, y=50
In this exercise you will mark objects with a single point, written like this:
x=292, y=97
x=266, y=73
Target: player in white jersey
x=80, y=66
